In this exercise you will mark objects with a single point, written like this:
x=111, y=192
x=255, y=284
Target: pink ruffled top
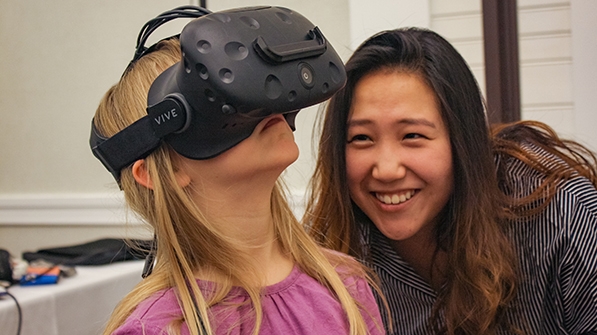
x=297, y=305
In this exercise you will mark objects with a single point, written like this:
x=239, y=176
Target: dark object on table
x=5, y=266
x=103, y=251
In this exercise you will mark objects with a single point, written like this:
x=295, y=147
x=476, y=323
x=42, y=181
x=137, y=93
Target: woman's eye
x=413, y=136
x=358, y=138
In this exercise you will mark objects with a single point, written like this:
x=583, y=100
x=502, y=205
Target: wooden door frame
x=502, y=83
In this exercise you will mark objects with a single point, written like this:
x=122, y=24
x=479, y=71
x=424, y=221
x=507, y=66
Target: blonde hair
x=186, y=241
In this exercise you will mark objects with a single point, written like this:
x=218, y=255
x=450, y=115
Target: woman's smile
x=394, y=198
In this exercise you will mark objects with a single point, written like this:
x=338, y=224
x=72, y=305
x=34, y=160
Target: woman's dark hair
x=480, y=277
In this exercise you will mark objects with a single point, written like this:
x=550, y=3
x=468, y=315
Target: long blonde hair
x=186, y=241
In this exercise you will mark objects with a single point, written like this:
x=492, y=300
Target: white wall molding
x=64, y=209
x=80, y=209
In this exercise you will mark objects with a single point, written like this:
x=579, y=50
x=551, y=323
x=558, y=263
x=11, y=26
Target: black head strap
x=141, y=137
x=118, y=152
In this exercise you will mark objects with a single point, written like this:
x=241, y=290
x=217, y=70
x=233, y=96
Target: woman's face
x=398, y=155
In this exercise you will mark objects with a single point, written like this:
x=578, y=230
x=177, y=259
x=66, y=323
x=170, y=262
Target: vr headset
x=238, y=67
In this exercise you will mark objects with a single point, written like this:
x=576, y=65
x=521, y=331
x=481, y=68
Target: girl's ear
x=141, y=175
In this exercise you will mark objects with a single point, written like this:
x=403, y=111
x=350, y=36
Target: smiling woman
x=406, y=181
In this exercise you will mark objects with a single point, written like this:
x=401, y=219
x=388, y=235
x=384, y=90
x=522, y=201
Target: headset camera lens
x=306, y=75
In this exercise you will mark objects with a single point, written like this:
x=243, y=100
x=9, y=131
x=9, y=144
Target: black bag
x=5, y=267
x=103, y=251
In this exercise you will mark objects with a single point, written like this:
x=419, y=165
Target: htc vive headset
x=238, y=67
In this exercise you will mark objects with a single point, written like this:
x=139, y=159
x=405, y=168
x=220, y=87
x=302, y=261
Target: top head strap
x=150, y=26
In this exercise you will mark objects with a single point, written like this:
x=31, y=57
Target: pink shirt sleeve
x=363, y=294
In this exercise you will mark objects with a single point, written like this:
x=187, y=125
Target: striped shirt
x=557, y=261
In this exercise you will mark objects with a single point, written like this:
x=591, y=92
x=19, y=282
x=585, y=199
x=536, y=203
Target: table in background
x=79, y=305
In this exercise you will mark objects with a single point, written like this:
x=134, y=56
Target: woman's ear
x=141, y=175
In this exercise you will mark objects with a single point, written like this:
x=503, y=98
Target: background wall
x=58, y=58
x=556, y=52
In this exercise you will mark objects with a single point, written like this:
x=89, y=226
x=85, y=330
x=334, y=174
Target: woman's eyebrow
x=409, y=121
x=419, y=121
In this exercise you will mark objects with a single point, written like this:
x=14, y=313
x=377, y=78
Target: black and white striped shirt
x=557, y=252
